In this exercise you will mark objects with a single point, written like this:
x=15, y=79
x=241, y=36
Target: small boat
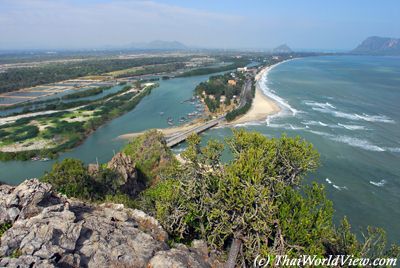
x=161, y=113
x=170, y=123
x=35, y=158
x=45, y=159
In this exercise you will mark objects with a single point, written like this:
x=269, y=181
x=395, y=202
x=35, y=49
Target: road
x=179, y=137
x=246, y=90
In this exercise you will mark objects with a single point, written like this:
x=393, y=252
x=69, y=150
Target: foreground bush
x=256, y=203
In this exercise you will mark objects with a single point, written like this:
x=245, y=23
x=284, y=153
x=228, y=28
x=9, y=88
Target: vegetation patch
x=4, y=227
x=151, y=155
x=63, y=130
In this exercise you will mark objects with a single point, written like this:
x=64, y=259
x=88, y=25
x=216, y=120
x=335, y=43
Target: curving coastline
x=262, y=105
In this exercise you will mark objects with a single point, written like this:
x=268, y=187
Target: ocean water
x=349, y=108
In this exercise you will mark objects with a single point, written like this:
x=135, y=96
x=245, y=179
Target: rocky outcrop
x=125, y=167
x=49, y=230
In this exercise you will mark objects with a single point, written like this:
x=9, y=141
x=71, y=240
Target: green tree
x=70, y=177
x=255, y=204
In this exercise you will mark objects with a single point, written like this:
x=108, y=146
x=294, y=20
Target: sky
x=253, y=24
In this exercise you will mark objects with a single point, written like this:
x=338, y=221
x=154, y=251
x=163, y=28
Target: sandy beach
x=166, y=131
x=262, y=106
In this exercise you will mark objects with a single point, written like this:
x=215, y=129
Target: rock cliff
x=50, y=230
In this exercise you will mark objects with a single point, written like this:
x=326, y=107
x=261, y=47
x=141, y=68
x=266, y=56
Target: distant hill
x=282, y=49
x=376, y=45
x=160, y=45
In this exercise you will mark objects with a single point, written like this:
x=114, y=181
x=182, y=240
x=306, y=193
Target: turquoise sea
x=347, y=106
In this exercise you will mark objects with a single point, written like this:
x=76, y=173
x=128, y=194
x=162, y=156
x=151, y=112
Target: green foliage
x=256, y=202
x=17, y=78
x=212, y=104
x=71, y=133
x=230, y=116
x=4, y=227
x=153, y=69
x=157, y=199
x=312, y=213
x=86, y=93
x=70, y=177
x=17, y=134
x=218, y=86
x=16, y=253
x=151, y=155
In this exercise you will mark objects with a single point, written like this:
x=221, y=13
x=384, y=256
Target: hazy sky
x=338, y=24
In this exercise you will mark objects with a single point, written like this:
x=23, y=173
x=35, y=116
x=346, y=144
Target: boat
x=35, y=158
x=170, y=123
x=161, y=113
x=45, y=159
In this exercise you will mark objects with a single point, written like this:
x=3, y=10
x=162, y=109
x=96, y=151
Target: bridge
x=179, y=137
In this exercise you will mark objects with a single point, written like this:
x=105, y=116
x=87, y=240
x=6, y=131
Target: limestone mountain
x=378, y=46
x=282, y=49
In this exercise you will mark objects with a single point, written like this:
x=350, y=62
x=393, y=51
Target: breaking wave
x=286, y=126
x=335, y=186
x=393, y=149
x=318, y=123
x=324, y=105
x=379, y=183
x=352, y=127
x=355, y=142
x=263, y=83
x=339, y=187
x=356, y=117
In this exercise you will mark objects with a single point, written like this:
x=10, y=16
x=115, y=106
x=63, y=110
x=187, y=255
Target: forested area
x=61, y=127
x=154, y=69
x=17, y=78
x=218, y=86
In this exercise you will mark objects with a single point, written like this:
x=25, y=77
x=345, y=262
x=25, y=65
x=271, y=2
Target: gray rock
x=51, y=231
x=125, y=167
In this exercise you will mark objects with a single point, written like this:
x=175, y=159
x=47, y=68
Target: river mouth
x=167, y=100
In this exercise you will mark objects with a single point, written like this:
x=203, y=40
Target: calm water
x=348, y=107
x=102, y=144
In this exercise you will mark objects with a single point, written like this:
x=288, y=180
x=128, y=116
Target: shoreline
x=262, y=105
